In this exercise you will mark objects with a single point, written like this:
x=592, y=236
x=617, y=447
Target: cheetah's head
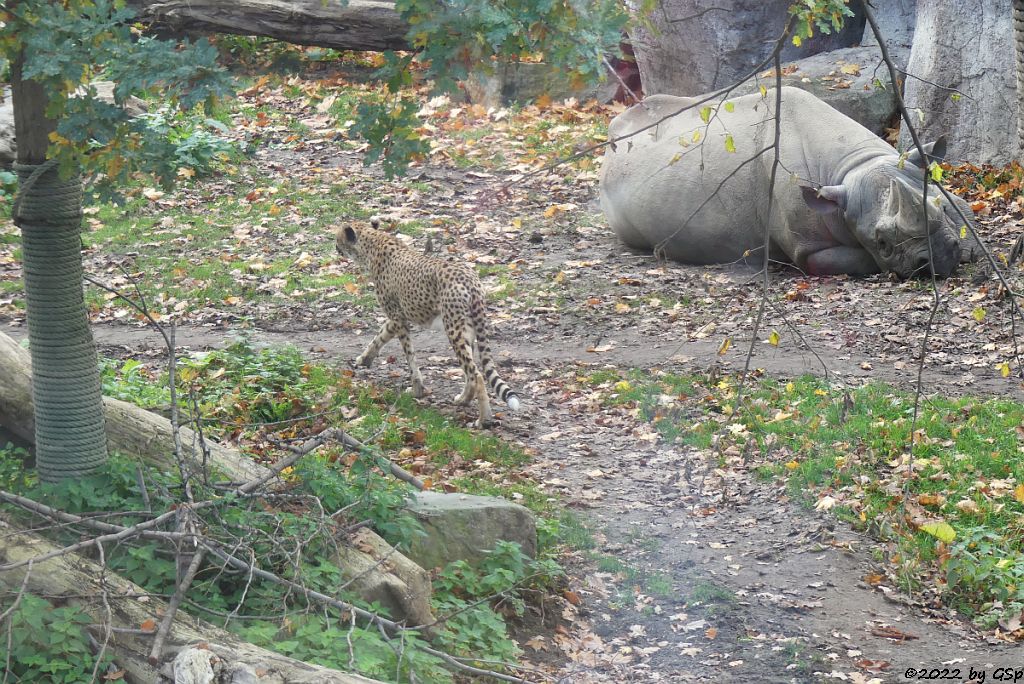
x=346, y=240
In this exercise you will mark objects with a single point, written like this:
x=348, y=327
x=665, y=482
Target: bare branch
x=156, y=652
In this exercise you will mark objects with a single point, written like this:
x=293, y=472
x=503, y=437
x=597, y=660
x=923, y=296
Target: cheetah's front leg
x=418, y=390
x=387, y=331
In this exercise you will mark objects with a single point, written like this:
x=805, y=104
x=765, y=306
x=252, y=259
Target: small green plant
x=982, y=569
x=477, y=629
x=47, y=643
x=8, y=185
x=364, y=491
x=15, y=473
x=194, y=141
x=336, y=643
x=131, y=381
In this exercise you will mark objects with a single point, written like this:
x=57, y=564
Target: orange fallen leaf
x=892, y=633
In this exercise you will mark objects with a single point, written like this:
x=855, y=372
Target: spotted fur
x=415, y=288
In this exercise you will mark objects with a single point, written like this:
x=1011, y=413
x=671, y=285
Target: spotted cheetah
x=421, y=288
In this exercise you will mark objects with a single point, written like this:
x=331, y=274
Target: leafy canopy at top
x=826, y=15
x=71, y=44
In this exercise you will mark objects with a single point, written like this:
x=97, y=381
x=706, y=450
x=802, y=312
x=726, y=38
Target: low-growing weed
x=47, y=643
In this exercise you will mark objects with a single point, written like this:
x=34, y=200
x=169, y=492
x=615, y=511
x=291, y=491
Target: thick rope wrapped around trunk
x=70, y=435
x=1018, y=37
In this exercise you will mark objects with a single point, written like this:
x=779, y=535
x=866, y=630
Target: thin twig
x=108, y=624
x=766, y=273
x=625, y=86
x=156, y=652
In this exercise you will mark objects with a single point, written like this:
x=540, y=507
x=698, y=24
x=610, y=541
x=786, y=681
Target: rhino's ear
x=827, y=199
x=934, y=150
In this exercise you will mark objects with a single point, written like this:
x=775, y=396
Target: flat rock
x=848, y=80
x=466, y=527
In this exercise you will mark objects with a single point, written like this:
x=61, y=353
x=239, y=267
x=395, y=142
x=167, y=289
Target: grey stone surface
x=895, y=21
x=696, y=46
x=7, y=146
x=466, y=527
x=967, y=45
x=852, y=80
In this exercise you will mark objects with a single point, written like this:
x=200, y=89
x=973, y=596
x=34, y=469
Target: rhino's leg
x=842, y=259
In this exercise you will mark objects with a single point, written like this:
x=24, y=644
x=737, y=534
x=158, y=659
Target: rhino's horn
x=934, y=151
x=905, y=203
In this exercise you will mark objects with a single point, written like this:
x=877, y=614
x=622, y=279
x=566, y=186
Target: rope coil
x=70, y=436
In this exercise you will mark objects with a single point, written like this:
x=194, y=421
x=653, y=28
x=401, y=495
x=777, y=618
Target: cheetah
x=421, y=289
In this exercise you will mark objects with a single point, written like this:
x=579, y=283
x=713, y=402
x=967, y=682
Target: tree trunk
x=69, y=434
x=129, y=429
x=694, y=46
x=356, y=25
x=79, y=581
x=967, y=45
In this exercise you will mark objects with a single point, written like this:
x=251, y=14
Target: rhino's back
x=673, y=184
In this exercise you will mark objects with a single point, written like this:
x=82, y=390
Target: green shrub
x=47, y=643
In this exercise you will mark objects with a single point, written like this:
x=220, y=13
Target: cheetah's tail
x=497, y=385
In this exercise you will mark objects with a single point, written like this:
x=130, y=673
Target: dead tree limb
x=355, y=25
x=75, y=579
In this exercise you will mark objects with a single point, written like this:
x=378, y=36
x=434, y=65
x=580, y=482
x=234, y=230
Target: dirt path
x=708, y=574
x=716, y=577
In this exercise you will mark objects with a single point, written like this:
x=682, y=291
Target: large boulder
x=7, y=146
x=690, y=47
x=848, y=79
x=967, y=45
x=895, y=19
x=465, y=527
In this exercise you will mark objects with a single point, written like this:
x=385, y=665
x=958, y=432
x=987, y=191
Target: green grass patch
x=853, y=447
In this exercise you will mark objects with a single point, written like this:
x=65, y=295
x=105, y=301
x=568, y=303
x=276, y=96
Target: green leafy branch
x=826, y=15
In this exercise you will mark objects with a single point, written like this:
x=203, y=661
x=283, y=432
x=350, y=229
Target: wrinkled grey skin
x=843, y=204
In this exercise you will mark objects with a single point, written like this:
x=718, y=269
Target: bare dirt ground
x=737, y=583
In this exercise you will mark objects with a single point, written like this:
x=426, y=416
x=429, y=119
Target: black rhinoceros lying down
x=843, y=203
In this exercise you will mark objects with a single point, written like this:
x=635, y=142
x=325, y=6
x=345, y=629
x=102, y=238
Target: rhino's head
x=882, y=207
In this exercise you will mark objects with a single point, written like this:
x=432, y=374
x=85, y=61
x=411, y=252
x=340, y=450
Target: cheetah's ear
x=350, y=234
x=375, y=222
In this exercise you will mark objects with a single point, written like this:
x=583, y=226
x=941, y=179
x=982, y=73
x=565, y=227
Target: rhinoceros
x=845, y=201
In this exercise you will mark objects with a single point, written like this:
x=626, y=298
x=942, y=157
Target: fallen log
x=355, y=25
x=113, y=602
x=130, y=430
